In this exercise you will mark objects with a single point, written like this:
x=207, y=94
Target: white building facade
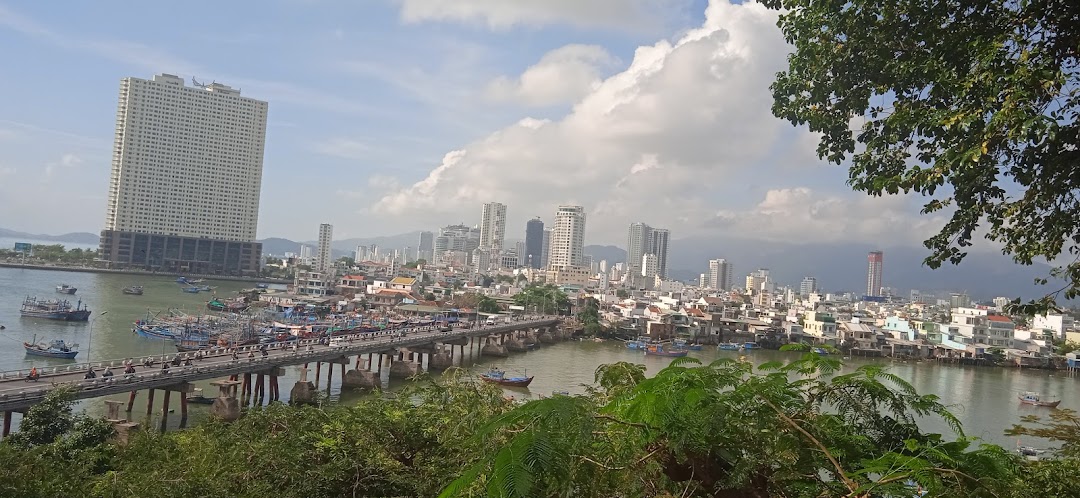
x=568, y=238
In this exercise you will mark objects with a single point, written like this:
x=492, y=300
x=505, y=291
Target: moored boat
x=191, y=290
x=229, y=305
x=684, y=344
x=54, y=310
x=65, y=289
x=134, y=290
x=55, y=349
x=664, y=350
x=1033, y=398
x=727, y=346
x=496, y=376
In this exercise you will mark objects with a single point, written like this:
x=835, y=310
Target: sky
x=388, y=116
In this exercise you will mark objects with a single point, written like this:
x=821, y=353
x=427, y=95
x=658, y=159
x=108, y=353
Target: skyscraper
x=808, y=286
x=659, y=246
x=425, y=248
x=545, y=249
x=873, y=273
x=638, y=243
x=323, y=260
x=534, y=243
x=720, y=274
x=643, y=239
x=186, y=178
x=568, y=238
x=493, y=226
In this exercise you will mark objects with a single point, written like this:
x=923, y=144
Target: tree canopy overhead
x=971, y=103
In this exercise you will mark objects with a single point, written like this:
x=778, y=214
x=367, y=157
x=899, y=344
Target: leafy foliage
x=486, y=304
x=546, y=299
x=970, y=103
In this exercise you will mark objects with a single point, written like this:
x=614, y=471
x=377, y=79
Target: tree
x=487, y=305
x=430, y=296
x=543, y=298
x=345, y=262
x=972, y=104
x=622, y=294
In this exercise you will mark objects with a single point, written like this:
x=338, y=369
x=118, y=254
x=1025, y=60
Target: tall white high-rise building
x=808, y=286
x=568, y=238
x=649, y=265
x=659, y=246
x=643, y=239
x=493, y=226
x=720, y=275
x=186, y=178
x=324, y=260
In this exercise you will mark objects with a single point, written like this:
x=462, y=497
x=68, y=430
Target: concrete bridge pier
x=124, y=428
x=8, y=415
x=330, y=370
x=529, y=337
x=547, y=337
x=404, y=368
x=494, y=349
x=360, y=379
x=226, y=407
x=260, y=389
x=515, y=345
x=442, y=359
x=304, y=391
x=150, y=403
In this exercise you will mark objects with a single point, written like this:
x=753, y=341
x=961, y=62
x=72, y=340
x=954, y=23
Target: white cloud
x=676, y=136
x=66, y=162
x=800, y=214
x=563, y=75
x=502, y=14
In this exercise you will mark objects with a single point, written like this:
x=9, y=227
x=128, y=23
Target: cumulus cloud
x=682, y=138
x=563, y=75
x=66, y=161
x=502, y=14
x=800, y=214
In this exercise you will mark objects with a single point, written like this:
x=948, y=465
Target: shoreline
x=84, y=269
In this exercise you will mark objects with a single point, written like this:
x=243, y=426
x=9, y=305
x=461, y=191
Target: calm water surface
x=983, y=398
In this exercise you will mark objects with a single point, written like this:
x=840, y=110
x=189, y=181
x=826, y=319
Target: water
x=983, y=398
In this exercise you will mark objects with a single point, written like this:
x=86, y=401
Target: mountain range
x=839, y=266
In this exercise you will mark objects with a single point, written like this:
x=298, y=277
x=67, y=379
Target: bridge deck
x=16, y=393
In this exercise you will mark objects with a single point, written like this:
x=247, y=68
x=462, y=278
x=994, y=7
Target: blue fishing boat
x=191, y=290
x=56, y=349
x=727, y=346
x=54, y=310
x=496, y=376
x=821, y=351
x=145, y=329
x=639, y=343
x=683, y=344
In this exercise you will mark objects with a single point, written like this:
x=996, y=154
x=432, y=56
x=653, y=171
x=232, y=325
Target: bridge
x=17, y=394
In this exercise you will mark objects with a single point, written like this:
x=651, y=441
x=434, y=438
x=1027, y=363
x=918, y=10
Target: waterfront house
x=351, y=285
x=821, y=326
x=899, y=328
x=1000, y=331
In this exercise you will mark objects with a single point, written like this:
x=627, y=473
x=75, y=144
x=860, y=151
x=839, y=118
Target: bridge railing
x=360, y=340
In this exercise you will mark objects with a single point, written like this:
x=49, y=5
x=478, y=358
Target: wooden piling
x=131, y=401
x=165, y=410
x=150, y=403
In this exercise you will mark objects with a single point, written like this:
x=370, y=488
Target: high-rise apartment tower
x=568, y=238
x=875, y=261
x=186, y=178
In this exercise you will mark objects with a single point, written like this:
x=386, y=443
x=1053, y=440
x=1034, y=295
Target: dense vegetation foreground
x=723, y=430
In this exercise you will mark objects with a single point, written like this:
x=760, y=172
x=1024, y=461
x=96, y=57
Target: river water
x=984, y=398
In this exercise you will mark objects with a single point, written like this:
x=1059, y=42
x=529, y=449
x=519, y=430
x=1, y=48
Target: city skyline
x=414, y=147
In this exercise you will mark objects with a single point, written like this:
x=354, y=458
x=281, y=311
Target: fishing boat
x=639, y=343
x=662, y=350
x=191, y=290
x=206, y=288
x=684, y=344
x=229, y=305
x=55, y=349
x=134, y=290
x=65, y=289
x=262, y=286
x=54, y=310
x=496, y=376
x=821, y=351
x=727, y=346
x=1033, y=398
x=198, y=398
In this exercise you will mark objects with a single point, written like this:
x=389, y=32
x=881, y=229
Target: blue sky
x=643, y=110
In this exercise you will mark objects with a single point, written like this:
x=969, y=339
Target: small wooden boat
x=661, y=350
x=56, y=349
x=191, y=290
x=727, y=346
x=65, y=289
x=496, y=376
x=198, y=398
x=134, y=290
x=1033, y=398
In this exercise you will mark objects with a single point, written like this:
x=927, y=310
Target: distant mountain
x=611, y=254
x=71, y=238
x=842, y=267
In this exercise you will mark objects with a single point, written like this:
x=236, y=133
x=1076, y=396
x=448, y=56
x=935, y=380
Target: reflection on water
x=985, y=399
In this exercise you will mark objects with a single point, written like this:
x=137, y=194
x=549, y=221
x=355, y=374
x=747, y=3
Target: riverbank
x=87, y=269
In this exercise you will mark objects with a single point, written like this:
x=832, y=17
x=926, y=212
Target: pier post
x=7, y=423
x=131, y=401
x=275, y=391
x=343, y=366
x=318, y=371
x=258, y=397
x=378, y=369
x=165, y=410
x=329, y=380
x=183, y=410
x=150, y=403
x=245, y=388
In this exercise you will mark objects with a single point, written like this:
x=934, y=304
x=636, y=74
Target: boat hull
x=509, y=382
x=63, y=355
x=66, y=316
x=1048, y=404
x=69, y=290
x=672, y=354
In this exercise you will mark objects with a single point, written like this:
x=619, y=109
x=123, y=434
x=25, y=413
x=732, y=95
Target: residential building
x=568, y=238
x=545, y=248
x=493, y=226
x=186, y=178
x=875, y=260
x=959, y=300
x=968, y=326
x=755, y=280
x=659, y=246
x=313, y=283
x=821, y=326
x=720, y=274
x=641, y=240
x=1058, y=323
x=324, y=261
x=808, y=286
x=999, y=331
x=425, y=248
x=459, y=238
x=650, y=266
x=534, y=243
